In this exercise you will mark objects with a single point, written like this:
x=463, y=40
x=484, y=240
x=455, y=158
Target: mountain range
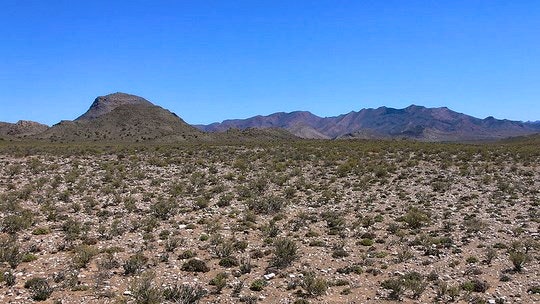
x=129, y=118
x=415, y=122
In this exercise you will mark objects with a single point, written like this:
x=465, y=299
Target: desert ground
x=276, y=222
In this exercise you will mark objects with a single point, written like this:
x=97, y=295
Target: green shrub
x=187, y=254
x=415, y=218
x=257, y=285
x=475, y=285
x=163, y=209
x=72, y=229
x=184, y=293
x=395, y=286
x=518, y=259
x=8, y=277
x=219, y=281
x=313, y=285
x=351, y=269
x=228, y=262
x=40, y=288
x=10, y=252
x=195, y=265
x=41, y=231
x=28, y=258
x=366, y=242
x=339, y=252
x=83, y=255
x=414, y=282
x=472, y=260
x=285, y=252
x=14, y=223
x=266, y=205
x=144, y=291
x=135, y=264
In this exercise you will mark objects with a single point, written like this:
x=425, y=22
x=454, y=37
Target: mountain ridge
x=414, y=122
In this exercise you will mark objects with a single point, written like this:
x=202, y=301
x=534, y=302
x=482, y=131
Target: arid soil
x=301, y=222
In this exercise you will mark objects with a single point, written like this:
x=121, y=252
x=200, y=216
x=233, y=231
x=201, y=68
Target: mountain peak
x=105, y=104
x=414, y=107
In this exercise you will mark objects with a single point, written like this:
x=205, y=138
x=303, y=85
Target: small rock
x=269, y=276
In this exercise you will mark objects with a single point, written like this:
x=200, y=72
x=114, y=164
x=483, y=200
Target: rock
x=269, y=276
x=127, y=293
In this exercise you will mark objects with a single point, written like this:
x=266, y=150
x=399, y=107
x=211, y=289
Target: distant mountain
x=20, y=129
x=300, y=123
x=123, y=117
x=415, y=122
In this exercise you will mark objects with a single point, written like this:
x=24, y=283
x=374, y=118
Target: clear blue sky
x=212, y=60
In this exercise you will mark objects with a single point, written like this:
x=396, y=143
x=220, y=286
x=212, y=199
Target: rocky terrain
x=287, y=222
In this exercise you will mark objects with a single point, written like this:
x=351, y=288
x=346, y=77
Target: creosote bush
x=258, y=285
x=314, y=285
x=285, y=252
x=415, y=218
x=184, y=293
x=40, y=288
x=135, y=264
x=145, y=291
x=195, y=265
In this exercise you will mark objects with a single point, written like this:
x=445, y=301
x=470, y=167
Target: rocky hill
x=105, y=104
x=415, y=122
x=123, y=117
x=21, y=129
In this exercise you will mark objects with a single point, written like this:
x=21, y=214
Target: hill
x=21, y=129
x=123, y=117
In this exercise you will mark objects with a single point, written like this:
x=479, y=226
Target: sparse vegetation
x=307, y=221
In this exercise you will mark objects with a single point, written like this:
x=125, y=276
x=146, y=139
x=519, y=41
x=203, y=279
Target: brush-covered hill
x=21, y=129
x=125, y=118
x=414, y=122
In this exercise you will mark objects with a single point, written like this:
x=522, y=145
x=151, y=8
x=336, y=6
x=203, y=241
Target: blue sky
x=212, y=60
